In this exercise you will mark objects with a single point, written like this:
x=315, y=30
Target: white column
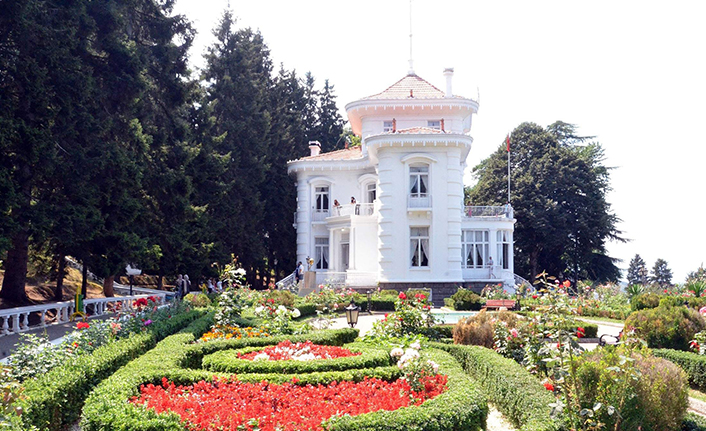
x=303, y=221
x=454, y=210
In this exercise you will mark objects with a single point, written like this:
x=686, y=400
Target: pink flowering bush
x=412, y=316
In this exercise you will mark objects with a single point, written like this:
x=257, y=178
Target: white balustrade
x=16, y=320
x=488, y=211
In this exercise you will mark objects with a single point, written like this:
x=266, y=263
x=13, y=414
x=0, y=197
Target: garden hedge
x=516, y=393
x=55, y=399
x=694, y=365
x=694, y=422
x=461, y=407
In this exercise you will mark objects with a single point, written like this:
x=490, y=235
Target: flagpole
x=507, y=140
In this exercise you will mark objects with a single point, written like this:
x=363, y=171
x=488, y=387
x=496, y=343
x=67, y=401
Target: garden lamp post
x=369, y=295
x=352, y=312
x=131, y=272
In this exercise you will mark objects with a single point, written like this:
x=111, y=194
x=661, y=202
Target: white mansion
x=408, y=227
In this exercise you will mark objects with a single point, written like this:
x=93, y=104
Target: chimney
x=448, y=73
x=442, y=126
x=394, y=126
x=315, y=147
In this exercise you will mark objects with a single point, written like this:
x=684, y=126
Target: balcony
x=362, y=210
x=504, y=211
x=419, y=201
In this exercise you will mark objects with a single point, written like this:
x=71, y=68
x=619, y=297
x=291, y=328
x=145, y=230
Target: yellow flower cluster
x=233, y=332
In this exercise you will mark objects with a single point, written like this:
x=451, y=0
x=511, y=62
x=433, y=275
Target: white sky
x=632, y=73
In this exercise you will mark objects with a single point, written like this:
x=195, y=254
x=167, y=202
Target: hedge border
x=54, y=400
x=694, y=365
x=227, y=361
x=461, y=407
x=515, y=392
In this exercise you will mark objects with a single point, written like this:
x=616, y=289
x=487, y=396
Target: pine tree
x=637, y=271
x=661, y=274
x=329, y=126
x=238, y=68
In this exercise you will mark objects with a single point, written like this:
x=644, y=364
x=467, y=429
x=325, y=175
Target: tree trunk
x=534, y=258
x=108, y=286
x=160, y=278
x=13, y=284
x=84, y=279
x=59, y=291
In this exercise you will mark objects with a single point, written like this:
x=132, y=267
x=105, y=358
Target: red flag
x=507, y=139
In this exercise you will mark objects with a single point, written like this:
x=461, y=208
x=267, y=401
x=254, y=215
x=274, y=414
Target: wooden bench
x=496, y=304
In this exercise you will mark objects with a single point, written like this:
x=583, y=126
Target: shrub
x=198, y=300
x=644, y=301
x=55, y=399
x=693, y=364
x=516, y=393
x=693, y=422
x=478, y=330
x=465, y=299
x=667, y=327
x=282, y=297
x=675, y=301
x=656, y=399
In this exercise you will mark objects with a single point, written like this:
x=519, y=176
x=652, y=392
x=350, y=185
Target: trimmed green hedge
x=55, y=399
x=694, y=365
x=227, y=361
x=461, y=407
x=694, y=422
x=516, y=393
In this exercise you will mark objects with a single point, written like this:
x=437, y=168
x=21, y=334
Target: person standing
x=179, y=287
x=187, y=285
x=490, y=267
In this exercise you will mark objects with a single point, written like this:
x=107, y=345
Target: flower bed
x=233, y=405
x=462, y=406
x=232, y=361
x=55, y=399
x=228, y=332
x=306, y=351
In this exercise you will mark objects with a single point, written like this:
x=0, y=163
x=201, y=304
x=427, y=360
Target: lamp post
x=131, y=272
x=352, y=312
x=369, y=295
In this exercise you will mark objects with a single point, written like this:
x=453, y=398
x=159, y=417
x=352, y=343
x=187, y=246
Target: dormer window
x=434, y=124
x=387, y=127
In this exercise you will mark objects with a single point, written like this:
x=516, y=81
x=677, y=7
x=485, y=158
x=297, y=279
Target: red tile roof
x=409, y=87
x=348, y=154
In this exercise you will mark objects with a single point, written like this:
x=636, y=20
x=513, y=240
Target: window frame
x=418, y=248
x=475, y=245
x=325, y=258
x=434, y=124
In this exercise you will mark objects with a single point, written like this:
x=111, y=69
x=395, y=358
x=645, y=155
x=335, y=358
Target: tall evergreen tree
x=559, y=196
x=329, y=125
x=238, y=71
x=637, y=271
x=661, y=274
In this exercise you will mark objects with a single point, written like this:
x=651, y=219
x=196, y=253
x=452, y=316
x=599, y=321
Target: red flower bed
x=229, y=404
x=286, y=350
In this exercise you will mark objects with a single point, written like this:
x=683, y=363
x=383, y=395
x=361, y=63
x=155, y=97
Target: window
x=322, y=199
x=370, y=193
x=419, y=246
x=475, y=248
x=435, y=124
x=418, y=180
x=503, y=241
x=321, y=252
x=387, y=126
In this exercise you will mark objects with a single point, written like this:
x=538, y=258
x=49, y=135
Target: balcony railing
x=320, y=215
x=353, y=209
x=419, y=201
x=504, y=211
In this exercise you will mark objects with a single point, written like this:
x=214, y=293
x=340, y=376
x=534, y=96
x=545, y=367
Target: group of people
x=337, y=206
x=183, y=286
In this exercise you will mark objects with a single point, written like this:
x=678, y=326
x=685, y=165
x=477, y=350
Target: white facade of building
x=409, y=226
